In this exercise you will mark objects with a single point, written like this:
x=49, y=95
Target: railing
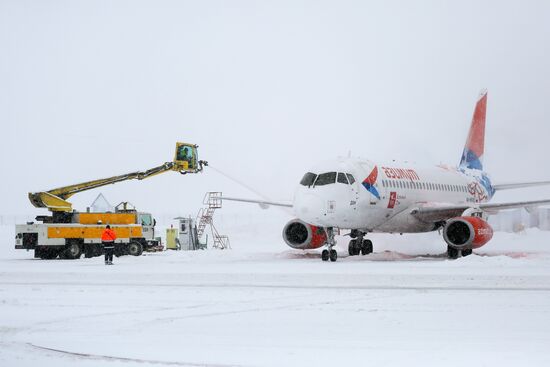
x=212, y=201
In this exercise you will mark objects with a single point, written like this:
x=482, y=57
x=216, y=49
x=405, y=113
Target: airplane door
x=351, y=195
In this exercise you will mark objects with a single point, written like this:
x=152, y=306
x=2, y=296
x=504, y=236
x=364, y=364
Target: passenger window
x=342, y=178
x=350, y=178
x=326, y=179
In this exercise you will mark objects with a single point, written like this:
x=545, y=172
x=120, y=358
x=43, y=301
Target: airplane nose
x=310, y=208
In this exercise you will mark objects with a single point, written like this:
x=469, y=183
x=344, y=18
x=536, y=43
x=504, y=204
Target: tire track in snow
x=100, y=357
x=296, y=286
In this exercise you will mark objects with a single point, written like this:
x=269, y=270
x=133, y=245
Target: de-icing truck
x=68, y=233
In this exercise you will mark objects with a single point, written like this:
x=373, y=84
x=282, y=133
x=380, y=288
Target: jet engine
x=300, y=235
x=464, y=233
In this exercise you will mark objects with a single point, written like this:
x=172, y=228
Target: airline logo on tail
x=472, y=157
x=369, y=182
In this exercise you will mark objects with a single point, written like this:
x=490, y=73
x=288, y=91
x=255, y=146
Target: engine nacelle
x=303, y=236
x=464, y=233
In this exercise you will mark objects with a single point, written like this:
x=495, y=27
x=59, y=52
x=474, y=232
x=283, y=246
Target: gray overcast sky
x=90, y=89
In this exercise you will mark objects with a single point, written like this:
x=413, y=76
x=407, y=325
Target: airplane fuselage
x=359, y=194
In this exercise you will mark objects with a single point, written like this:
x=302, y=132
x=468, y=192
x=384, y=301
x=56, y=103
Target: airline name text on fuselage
x=400, y=173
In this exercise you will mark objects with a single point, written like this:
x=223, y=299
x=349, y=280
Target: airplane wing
x=429, y=213
x=518, y=185
x=264, y=204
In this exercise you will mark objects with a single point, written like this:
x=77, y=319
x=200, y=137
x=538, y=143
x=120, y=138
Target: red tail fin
x=472, y=156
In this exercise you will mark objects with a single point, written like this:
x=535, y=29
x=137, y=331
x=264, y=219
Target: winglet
x=472, y=156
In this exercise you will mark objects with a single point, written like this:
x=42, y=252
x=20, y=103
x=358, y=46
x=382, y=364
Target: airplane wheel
x=352, y=248
x=324, y=255
x=333, y=255
x=366, y=248
x=452, y=253
x=466, y=252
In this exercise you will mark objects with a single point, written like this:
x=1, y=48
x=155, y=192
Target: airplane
x=365, y=197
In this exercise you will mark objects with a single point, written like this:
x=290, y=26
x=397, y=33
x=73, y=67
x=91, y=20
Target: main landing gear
x=453, y=253
x=358, y=245
x=329, y=252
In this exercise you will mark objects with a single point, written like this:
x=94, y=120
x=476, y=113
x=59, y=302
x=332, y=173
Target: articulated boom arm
x=185, y=161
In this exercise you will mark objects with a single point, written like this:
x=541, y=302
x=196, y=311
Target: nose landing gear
x=329, y=252
x=358, y=245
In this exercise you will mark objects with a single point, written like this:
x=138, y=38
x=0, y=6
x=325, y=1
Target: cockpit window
x=308, y=179
x=326, y=179
x=342, y=178
x=350, y=178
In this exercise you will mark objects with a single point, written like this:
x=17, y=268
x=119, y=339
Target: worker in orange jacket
x=108, y=238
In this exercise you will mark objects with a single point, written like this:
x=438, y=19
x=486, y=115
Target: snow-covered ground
x=262, y=304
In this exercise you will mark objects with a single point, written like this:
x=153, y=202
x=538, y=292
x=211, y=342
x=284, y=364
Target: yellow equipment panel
x=79, y=231
x=171, y=234
x=107, y=218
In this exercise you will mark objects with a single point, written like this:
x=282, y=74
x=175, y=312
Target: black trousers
x=109, y=248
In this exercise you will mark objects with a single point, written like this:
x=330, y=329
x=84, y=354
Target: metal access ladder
x=211, y=202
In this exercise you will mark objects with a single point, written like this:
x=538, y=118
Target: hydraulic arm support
x=185, y=161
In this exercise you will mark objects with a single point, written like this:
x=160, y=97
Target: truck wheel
x=135, y=249
x=73, y=251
